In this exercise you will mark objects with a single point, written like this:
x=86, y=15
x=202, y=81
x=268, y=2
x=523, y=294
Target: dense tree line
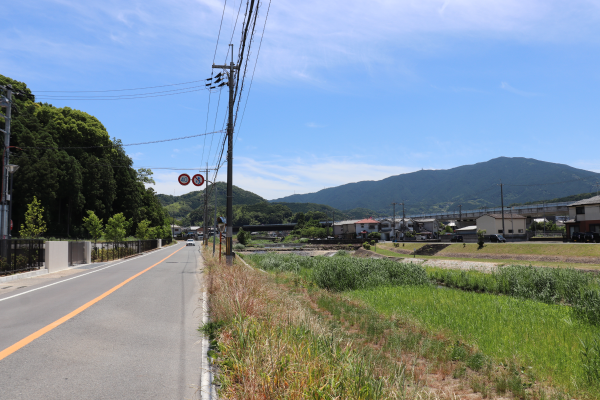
x=61, y=165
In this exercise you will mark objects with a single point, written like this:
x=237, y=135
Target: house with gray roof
x=584, y=216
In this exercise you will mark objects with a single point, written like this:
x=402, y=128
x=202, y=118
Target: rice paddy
x=545, y=320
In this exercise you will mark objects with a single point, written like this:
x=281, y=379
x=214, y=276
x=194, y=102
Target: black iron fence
x=20, y=255
x=167, y=241
x=115, y=250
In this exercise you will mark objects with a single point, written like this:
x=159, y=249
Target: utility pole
x=502, y=204
x=333, y=224
x=215, y=227
x=459, y=213
x=5, y=102
x=394, y=222
x=229, y=70
x=205, y=230
x=544, y=207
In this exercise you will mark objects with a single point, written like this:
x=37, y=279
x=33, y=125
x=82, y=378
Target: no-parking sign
x=184, y=179
x=198, y=180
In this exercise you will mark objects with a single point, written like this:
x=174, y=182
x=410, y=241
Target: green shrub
x=367, y=246
x=374, y=235
x=345, y=273
x=243, y=237
x=238, y=246
x=396, y=244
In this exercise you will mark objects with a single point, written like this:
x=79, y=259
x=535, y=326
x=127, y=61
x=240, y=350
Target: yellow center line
x=24, y=342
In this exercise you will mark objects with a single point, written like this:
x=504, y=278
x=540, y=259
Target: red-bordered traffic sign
x=184, y=179
x=198, y=180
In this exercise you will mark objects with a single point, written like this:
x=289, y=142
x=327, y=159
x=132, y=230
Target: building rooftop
x=506, y=216
x=347, y=222
x=591, y=200
x=367, y=221
x=467, y=228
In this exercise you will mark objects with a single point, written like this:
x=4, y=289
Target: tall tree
x=34, y=220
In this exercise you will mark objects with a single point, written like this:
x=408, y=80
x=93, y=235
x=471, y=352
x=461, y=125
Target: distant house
x=492, y=224
x=427, y=225
x=366, y=226
x=176, y=230
x=584, y=216
x=345, y=229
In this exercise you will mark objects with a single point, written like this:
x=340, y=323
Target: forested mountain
x=472, y=186
x=60, y=164
x=179, y=207
x=248, y=208
x=356, y=213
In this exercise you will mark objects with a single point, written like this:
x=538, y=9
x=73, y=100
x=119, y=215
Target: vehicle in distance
x=190, y=242
x=578, y=237
x=591, y=237
x=497, y=239
x=457, y=238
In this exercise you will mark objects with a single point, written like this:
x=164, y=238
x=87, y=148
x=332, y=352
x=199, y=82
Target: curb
x=30, y=274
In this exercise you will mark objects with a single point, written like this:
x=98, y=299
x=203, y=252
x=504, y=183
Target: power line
x=125, y=98
x=211, y=77
x=203, y=87
x=114, y=90
x=254, y=70
x=123, y=145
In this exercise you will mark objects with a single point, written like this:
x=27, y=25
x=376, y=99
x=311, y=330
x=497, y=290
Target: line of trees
x=69, y=164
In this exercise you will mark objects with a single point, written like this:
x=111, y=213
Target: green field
x=523, y=320
x=537, y=249
x=545, y=338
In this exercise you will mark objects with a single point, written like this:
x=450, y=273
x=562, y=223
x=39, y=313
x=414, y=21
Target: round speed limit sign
x=184, y=179
x=198, y=180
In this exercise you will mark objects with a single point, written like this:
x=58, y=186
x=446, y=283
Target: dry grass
x=271, y=344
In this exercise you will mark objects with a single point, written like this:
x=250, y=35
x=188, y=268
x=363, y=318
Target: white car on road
x=190, y=242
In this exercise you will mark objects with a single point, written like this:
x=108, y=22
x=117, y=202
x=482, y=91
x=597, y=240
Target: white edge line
x=78, y=276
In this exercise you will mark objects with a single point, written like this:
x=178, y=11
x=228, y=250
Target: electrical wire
x=127, y=98
x=122, y=145
x=124, y=95
x=211, y=77
x=254, y=70
x=115, y=90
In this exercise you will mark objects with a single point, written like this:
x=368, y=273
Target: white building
x=492, y=224
x=366, y=226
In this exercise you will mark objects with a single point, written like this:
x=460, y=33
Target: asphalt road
x=139, y=341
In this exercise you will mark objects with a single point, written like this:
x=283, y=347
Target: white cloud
x=303, y=38
x=278, y=178
x=511, y=89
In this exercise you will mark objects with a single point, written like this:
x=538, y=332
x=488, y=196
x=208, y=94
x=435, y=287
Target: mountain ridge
x=472, y=186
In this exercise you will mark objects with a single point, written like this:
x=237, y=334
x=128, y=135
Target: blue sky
x=343, y=91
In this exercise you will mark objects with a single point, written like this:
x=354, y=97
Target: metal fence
x=115, y=250
x=20, y=255
x=167, y=241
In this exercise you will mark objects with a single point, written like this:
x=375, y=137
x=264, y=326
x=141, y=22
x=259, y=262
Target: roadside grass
x=538, y=249
x=546, y=340
x=551, y=342
x=268, y=343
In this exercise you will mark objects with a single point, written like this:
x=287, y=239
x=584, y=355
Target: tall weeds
x=270, y=345
x=549, y=285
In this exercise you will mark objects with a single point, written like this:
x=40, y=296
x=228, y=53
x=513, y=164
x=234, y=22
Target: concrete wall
x=57, y=256
x=488, y=224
